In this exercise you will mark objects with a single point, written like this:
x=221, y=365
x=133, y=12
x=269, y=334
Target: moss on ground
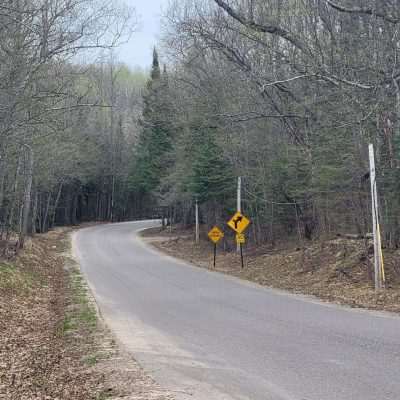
x=81, y=313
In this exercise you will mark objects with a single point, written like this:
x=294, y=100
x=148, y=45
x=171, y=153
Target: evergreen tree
x=211, y=177
x=155, y=141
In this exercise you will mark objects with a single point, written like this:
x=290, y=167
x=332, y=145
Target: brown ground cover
x=337, y=270
x=52, y=344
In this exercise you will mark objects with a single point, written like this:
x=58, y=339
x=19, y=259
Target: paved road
x=207, y=336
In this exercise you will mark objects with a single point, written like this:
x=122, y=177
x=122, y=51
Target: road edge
x=281, y=292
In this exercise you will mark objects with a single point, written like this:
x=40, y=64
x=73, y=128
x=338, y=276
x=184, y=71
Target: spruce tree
x=155, y=141
x=211, y=177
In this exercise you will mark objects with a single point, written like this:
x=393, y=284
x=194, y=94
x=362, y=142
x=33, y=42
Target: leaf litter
x=338, y=270
x=53, y=345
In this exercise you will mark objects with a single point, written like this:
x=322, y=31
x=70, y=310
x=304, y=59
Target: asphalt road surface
x=208, y=336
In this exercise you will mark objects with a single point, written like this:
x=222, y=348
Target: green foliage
x=150, y=162
x=131, y=77
x=18, y=280
x=83, y=315
x=211, y=177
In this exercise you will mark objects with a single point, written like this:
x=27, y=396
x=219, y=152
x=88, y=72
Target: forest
x=68, y=112
x=287, y=94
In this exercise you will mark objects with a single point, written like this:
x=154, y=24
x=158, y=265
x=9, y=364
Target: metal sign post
x=239, y=224
x=240, y=240
x=197, y=221
x=215, y=236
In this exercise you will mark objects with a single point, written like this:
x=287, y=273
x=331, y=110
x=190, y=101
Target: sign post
x=197, y=221
x=239, y=204
x=239, y=224
x=215, y=236
x=240, y=240
x=241, y=255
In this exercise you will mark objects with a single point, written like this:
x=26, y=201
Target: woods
x=288, y=95
x=285, y=93
x=261, y=144
x=63, y=120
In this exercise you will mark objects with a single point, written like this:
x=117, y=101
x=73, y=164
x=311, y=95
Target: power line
x=299, y=202
x=275, y=202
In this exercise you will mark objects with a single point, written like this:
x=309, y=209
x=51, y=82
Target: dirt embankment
x=337, y=270
x=52, y=344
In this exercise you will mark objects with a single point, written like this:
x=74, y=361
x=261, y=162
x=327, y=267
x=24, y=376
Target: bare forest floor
x=52, y=344
x=337, y=270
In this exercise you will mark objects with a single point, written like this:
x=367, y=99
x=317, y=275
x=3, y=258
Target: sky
x=138, y=51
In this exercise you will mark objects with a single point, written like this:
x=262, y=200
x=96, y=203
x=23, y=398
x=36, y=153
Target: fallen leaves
x=39, y=358
x=336, y=270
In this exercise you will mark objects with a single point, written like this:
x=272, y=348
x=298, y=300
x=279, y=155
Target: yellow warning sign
x=215, y=234
x=240, y=238
x=239, y=222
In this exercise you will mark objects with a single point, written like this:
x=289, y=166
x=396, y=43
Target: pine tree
x=155, y=141
x=211, y=177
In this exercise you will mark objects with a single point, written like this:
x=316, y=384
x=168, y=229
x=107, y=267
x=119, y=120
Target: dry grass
x=337, y=270
x=52, y=344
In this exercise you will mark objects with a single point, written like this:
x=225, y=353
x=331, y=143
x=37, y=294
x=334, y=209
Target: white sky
x=138, y=52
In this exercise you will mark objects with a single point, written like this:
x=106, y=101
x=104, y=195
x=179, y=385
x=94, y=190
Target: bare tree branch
x=265, y=28
x=250, y=116
x=367, y=11
x=295, y=78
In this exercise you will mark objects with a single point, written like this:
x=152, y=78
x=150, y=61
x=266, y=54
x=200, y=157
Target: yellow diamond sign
x=215, y=234
x=240, y=238
x=239, y=222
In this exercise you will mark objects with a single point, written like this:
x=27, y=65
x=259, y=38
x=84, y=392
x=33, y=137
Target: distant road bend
x=207, y=336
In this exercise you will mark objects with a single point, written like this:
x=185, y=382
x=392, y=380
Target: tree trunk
x=2, y=177
x=27, y=199
x=34, y=212
x=54, y=213
x=46, y=214
x=14, y=200
x=112, y=198
x=74, y=209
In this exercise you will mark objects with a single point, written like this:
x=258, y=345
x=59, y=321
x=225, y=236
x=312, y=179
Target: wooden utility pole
x=239, y=206
x=378, y=266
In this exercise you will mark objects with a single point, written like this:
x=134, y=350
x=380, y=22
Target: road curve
x=207, y=336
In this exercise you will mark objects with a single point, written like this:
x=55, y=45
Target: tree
x=40, y=95
x=297, y=91
x=211, y=179
x=151, y=162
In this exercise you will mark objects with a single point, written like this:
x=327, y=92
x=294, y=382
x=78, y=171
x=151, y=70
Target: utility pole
x=197, y=222
x=239, y=205
x=378, y=259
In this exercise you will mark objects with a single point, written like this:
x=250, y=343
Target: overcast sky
x=139, y=49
